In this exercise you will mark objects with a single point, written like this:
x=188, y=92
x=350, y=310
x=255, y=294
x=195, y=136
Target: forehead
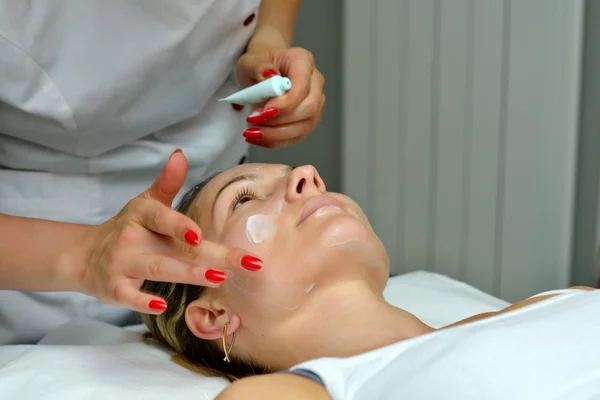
x=203, y=203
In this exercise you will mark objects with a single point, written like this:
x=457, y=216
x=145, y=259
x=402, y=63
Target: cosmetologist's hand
x=148, y=240
x=286, y=120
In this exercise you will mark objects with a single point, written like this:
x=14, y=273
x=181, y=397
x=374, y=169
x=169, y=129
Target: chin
x=344, y=235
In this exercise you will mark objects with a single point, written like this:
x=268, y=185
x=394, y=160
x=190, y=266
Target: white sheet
x=92, y=360
x=437, y=299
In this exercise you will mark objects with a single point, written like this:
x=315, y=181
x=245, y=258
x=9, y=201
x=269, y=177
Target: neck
x=345, y=320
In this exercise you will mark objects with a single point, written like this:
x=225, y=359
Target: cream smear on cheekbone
x=260, y=227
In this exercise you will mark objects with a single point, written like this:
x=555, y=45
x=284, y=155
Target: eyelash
x=241, y=195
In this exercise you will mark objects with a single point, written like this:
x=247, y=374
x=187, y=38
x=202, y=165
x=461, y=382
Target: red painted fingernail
x=259, y=119
x=157, y=305
x=253, y=133
x=255, y=118
x=191, y=237
x=269, y=113
x=256, y=142
x=252, y=263
x=269, y=73
x=215, y=275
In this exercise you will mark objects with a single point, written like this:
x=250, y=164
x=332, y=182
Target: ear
x=206, y=317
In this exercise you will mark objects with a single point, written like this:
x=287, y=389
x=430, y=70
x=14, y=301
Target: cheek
x=244, y=233
x=235, y=236
x=278, y=286
x=254, y=233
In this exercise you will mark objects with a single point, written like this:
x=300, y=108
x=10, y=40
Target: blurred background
x=467, y=130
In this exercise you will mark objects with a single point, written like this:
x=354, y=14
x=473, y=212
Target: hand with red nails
x=288, y=119
x=148, y=240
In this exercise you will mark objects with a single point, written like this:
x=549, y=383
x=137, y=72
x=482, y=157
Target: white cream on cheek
x=260, y=227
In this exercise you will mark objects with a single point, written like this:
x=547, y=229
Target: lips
x=316, y=203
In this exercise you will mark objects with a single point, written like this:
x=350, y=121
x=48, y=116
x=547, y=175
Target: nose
x=304, y=181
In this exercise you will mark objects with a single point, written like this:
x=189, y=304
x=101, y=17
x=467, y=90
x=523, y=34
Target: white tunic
x=548, y=350
x=94, y=97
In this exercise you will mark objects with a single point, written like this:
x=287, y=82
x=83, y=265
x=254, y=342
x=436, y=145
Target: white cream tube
x=262, y=91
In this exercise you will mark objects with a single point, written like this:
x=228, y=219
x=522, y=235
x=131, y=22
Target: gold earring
x=225, y=349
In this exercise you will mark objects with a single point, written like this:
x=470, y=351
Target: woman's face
x=307, y=238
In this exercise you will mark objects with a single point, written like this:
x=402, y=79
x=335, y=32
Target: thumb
x=172, y=177
x=257, y=67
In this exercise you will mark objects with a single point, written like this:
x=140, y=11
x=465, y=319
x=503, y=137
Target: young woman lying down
x=313, y=324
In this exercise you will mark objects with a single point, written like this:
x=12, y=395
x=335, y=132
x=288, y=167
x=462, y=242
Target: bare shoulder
x=537, y=299
x=274, y=386
x=515, y=306
x=583, y=288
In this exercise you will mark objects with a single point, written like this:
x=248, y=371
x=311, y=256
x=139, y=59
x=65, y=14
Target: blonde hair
x=204, y=357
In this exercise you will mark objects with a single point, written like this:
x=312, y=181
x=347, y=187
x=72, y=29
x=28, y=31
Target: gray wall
x=587, y=202
x=318, y=30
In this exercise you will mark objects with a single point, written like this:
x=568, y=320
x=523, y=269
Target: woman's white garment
x=548, y=350
x=94, y=97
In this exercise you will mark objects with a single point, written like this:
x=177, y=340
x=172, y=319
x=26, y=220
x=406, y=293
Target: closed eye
x=243, y=196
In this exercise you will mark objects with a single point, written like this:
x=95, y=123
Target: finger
x=222, y=257
x=266, y=71
x=300, y=73
x=259, y=67
x=161, y=268
x=126, y=294
x=308, y=108
x=279, y=144
x=274, y=137
x=157, y=217
x=283, y=135
x=169, y=182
